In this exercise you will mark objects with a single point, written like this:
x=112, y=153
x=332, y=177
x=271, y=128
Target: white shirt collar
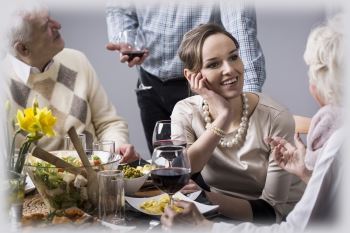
x=24, y=70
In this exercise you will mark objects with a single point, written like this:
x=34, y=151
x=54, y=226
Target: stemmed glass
x=172, y=169
x=167, y=132
x=132, y=44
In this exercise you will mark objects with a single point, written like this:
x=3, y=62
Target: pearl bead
x=243, y=126
x=229, y=144
x=207, y=119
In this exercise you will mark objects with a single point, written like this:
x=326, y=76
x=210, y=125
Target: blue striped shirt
x=164, y=23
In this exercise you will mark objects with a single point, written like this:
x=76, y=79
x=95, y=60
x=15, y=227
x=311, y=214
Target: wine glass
x=171, y=170
x=167, y=132
x=132, y=44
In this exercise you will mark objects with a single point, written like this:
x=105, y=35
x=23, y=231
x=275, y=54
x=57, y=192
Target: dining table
x=36, y=215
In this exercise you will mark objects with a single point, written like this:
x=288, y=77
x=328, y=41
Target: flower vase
x=15, y=198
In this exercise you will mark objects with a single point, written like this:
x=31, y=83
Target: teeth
x=228, y=82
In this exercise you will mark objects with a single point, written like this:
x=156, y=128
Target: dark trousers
x=158, y=102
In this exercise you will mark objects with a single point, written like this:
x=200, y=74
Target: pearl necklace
x=243, y=126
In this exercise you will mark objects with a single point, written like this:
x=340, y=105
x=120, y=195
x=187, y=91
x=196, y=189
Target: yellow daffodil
x=36, y=122
x=46, y=121
x=27, y=121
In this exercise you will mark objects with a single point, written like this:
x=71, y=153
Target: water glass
x=68, y=145
x=111, y=203
x=15, y=196
x=105, y=145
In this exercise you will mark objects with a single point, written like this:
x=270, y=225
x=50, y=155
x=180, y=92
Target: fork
x=152, y=224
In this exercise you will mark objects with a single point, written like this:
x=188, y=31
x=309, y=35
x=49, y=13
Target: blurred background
x=282, y=32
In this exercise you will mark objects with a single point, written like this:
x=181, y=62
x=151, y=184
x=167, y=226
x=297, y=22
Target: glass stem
x=171, y=201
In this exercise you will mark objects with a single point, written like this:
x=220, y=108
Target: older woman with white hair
x=324, y=56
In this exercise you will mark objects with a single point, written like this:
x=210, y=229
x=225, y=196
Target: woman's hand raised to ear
x=218, y=104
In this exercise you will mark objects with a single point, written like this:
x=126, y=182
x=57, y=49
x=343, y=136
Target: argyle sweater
x=70, y=88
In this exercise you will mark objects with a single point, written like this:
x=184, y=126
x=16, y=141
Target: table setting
x=81, y=188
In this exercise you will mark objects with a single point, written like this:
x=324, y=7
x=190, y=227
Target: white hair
x=18, y=29
x=325, y=57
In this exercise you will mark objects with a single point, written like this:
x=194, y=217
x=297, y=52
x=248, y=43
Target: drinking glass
x=172, y=169
x=111, y=201
x=132, y=44
x=15, y=189
x=105, y=145
x=167, y=132
x=68, y=145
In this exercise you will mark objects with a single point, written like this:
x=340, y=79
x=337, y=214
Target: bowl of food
x=134, y=178
x=61, y=189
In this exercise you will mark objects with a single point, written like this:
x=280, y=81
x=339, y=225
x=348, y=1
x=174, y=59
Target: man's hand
x=189, y=218
x=120, y=47
x=129, y=153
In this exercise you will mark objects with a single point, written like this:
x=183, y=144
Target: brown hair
x=190, y=51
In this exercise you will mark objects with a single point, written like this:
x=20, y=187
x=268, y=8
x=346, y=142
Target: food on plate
x=157, y=207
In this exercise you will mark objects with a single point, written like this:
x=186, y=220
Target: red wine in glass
x=170, y=180
x=133, y=54
x=169, y=142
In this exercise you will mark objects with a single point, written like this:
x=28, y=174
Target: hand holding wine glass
x=172, y=169
x=132, y=47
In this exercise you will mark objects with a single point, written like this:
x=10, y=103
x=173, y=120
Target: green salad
x=58, y=188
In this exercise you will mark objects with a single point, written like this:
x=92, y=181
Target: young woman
x=226, y=127
x=324, y=55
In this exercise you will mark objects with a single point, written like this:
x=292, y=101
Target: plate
x=29, y=186
x=136, y=203
x=194, y=195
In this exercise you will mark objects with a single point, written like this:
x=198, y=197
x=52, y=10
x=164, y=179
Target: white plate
x=136, y=203
x=29, y=186
x=194, y=195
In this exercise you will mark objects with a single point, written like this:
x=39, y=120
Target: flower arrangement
x=34, y=123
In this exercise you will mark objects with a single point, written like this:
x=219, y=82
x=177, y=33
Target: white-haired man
x=38, y=66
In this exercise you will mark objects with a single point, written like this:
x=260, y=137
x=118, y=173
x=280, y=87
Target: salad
x=61, y=189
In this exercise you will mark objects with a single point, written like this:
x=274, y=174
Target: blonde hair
x=325, y=58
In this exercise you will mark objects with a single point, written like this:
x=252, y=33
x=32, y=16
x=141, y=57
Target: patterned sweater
x=70, y=88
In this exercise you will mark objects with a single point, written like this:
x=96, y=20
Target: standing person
x=324, y=55
x=38, y=66
x=161, y=83
x=225, y=130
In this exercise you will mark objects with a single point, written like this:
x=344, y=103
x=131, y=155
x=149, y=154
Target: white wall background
x=282, y=34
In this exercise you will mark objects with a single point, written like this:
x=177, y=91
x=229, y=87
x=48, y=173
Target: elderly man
x=38, y=66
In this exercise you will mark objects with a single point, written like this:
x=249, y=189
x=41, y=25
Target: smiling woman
x=225, y=129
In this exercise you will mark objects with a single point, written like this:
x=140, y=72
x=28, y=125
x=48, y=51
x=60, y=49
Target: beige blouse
x=249, y=171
